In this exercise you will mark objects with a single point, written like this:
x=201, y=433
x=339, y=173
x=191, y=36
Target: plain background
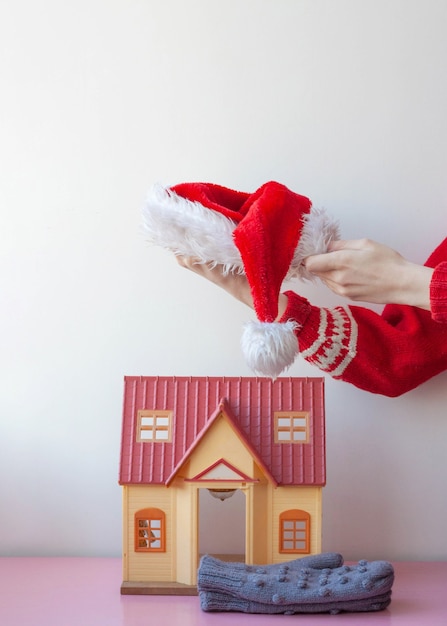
x=341, y=100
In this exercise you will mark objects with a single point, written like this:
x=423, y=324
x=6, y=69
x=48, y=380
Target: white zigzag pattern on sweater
x=333, y=353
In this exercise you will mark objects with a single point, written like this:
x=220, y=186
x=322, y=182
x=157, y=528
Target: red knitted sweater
x=388, y=354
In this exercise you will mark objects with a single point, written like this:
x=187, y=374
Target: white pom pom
x=269, y=348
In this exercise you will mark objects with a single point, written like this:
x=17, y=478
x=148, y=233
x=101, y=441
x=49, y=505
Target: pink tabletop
x=86, y=592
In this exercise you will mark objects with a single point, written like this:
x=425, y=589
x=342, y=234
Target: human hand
x=364, y=270
x=234, y=283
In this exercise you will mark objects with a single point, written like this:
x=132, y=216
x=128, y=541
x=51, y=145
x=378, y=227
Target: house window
x=294, y=532
x=150, y=531
x=154, y=426
x=291, y=427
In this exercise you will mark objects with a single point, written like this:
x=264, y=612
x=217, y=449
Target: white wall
x=343, y=101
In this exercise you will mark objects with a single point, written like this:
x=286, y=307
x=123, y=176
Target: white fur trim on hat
x=269, y=348
x=188, y=228
x=318, y=231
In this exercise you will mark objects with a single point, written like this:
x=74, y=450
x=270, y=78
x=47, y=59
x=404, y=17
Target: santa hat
x=266, y=235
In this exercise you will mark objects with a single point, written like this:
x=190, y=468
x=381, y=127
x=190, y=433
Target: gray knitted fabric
x=327, y=560
x=319, y=584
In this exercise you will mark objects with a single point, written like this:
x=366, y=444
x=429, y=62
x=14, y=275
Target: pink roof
x=249, y=404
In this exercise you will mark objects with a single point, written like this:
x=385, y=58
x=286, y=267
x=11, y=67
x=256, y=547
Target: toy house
x=185, y=435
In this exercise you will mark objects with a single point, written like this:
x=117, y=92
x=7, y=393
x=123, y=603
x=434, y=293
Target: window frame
x=291, y=428
x=295, y=516
x=155, y=428
x=150, y=515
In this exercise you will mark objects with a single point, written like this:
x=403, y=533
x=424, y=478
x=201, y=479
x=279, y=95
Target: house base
x=153, y=588
x=170, y=588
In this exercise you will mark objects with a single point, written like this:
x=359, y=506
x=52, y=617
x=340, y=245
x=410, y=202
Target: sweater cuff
x=327, y=338
x=438, y=293
x=307, y=317
x=297, y=310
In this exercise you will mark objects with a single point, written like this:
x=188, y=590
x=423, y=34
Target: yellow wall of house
x=308, y=499
x=258, y=537
x=264, y=504
x=185, y=524
x=144, y=566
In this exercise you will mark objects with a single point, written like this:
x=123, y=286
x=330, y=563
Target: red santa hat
x=266, y=235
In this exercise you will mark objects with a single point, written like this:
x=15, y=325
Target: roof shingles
x=251, y=403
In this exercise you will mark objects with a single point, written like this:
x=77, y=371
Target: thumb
x=326, y=560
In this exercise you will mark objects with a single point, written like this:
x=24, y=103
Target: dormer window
x=291, y=426
x=154, y=426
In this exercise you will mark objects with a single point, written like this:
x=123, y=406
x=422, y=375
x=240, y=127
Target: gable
x=252, y=403
x=221, y=440
x=221, y=470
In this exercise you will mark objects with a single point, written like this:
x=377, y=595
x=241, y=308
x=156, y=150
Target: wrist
x=294, y=307
x=414, y=288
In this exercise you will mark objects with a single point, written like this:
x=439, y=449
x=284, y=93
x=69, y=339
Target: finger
x=187, y=261
x=328, y=261
x=347, y=244
x=319, y=263
x=183, y=261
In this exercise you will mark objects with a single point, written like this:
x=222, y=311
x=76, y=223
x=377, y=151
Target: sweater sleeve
x=438, y=293
x=387, y=354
